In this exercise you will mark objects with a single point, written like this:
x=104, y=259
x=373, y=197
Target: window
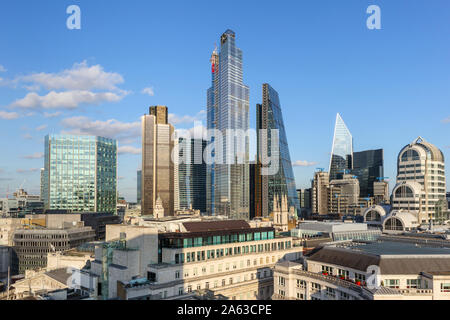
x=315, y=286
x=412, y=283
x=300, y=296
x=180, y=291
x=360, y=277
x=392, y=283
x=301, y=284
x=331, y=292
x=445, y=287
x=281, y=281
x=327, y=270
x=177, y=274
x=344, y=296
x=189, y=289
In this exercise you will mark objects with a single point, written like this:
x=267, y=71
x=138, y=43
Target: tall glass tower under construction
x=227, y=112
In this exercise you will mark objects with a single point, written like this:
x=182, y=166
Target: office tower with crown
x=158, y=180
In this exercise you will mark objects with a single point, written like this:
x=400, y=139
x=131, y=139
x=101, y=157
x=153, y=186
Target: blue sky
x=389, y=85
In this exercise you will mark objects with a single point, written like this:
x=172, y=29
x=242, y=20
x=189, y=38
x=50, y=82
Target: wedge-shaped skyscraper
x=342, y=151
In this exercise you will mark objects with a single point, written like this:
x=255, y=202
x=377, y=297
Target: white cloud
x=8, y=115
x=303, y=163
x=43, y=127
x=446, y=120
x=37, y=155
x=150, y=91
x=65, y=100
x=129, y=150
x=197, y=132
x=176, y=120
x=110, y=128
x=2, y=68
x=28, y=170
x=79, y=77
x=52, y=115
x=27, y=136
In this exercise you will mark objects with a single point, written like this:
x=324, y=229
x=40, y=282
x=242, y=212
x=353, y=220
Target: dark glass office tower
x=269, y=116
x=342, y=151
x=368, y=166
x=139, y=186
x=192, y=174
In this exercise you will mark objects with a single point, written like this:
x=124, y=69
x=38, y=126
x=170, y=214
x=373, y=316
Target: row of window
x=225, y=267
x=203, y=255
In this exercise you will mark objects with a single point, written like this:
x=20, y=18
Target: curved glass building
x=269, y=117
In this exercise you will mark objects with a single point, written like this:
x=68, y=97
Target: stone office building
x=345, y=272
x=228, y=258
x=32, y=246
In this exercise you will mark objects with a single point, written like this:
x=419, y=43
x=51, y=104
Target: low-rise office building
x=338, y=231
x=228, y=258
x=375, y=271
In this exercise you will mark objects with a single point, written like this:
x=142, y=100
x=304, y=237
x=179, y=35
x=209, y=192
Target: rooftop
x=383, y=248
x=216, y=225
x=391, y=257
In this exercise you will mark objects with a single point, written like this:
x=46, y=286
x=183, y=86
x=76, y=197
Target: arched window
x=393, y=224
x=410, y=155
x=373, y=215
x=404, y=192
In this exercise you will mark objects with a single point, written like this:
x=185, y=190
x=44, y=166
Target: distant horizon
x=390, y=85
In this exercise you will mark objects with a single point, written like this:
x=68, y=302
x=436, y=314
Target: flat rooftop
x=383, y=248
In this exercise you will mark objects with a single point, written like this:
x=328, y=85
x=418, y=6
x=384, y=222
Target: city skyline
x=101, y=93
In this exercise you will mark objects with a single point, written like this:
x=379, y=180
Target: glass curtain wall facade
x=342, y=150
x=231, y=106
x=80, y=173
x=139, y=186
x=212, y=105
x=269, y=116
x=368, y=167
x=192, y=175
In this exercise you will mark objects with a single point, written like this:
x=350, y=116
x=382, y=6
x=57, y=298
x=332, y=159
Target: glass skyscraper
x=228, y=106
x=269, y=117
x=342, y=151
x=80, y=173
x=139, y=187
x=192, y=175
x=368, y=167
